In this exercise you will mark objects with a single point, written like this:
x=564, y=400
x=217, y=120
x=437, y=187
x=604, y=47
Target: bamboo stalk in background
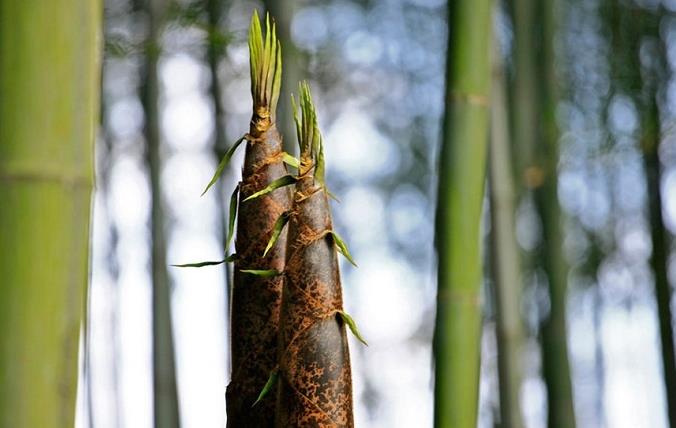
x=215, y=52
x=49, y=87
x=165, y=394
x=524, y=116
x=505, y=256
x=461, y=183
x=651, y=136
x=554, y=336
x=630, y=30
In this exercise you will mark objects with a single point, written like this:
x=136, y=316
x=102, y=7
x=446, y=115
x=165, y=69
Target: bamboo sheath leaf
x=347, y=319
x=291, y=161
x=342, y=247
x=49, y=81
x=276, y=231
x=223, y=163
x=230, y=258
x=462, y=164
x=272, y=381
x=265, y=273
x=232, y=216
x=287, y=180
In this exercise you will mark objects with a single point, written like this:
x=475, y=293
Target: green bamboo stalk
x=215, y=52
x=651, y=139
x=659, y=258
x=49, y=89
x=165, y=393
x=524, y=87
x=629, y=28
x=556, y=367
x=461, y=183
x=505, y=257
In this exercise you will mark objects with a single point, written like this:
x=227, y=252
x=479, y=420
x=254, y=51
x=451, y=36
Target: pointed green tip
x=265, y=61
x=307, y=128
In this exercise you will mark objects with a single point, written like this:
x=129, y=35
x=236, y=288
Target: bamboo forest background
x=377, y=72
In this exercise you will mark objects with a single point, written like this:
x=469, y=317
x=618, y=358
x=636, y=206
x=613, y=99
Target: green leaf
x=277, y=230
x=280, y=182
x=342, y=248
x=233, y=215
x=290, y=160
x=347, y=319
x=224, y=162
x=269, y=273
x=230, y=258
x=331, y=195
x=319, y=164
x=272, y=380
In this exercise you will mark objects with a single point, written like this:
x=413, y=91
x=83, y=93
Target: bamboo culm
x=505, y=258
x=461, y=183
x=49, y=81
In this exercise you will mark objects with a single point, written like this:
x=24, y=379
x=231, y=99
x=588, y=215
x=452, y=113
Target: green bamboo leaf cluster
x=309, y=136
x=277, y=230
x=265, y=58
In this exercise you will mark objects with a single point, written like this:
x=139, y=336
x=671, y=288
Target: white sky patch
x=356, y=150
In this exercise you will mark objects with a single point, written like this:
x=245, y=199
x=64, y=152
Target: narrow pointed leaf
x=280, y=182
x=290, y=160
x=269, y=273
x=228, y=259
x=272, y=380
x=277, y=230
x=319, y=166
x=342, y=247
x=332, y=196
x=347, y=319
x=233, y=215
x=223, y=164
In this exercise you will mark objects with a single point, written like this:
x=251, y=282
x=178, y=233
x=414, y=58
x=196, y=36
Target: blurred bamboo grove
x=507, y=179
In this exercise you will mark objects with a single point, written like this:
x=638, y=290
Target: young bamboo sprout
x=314, y=381
x=257, y=286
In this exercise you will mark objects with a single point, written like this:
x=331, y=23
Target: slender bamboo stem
x=659, y=258
x=524, y=87
x=556, y=367
x=215, y=10
x=49, y=86
x=165, y=393
x=505, y=257
x=461, y=183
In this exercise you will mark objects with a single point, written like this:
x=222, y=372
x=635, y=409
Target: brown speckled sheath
x=256, y=300
x=315, y=381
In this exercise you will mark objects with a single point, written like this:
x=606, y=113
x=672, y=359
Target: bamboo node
x=472, y=99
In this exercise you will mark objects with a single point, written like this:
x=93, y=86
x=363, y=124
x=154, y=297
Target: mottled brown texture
x=256, y=300
x=315, y=382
